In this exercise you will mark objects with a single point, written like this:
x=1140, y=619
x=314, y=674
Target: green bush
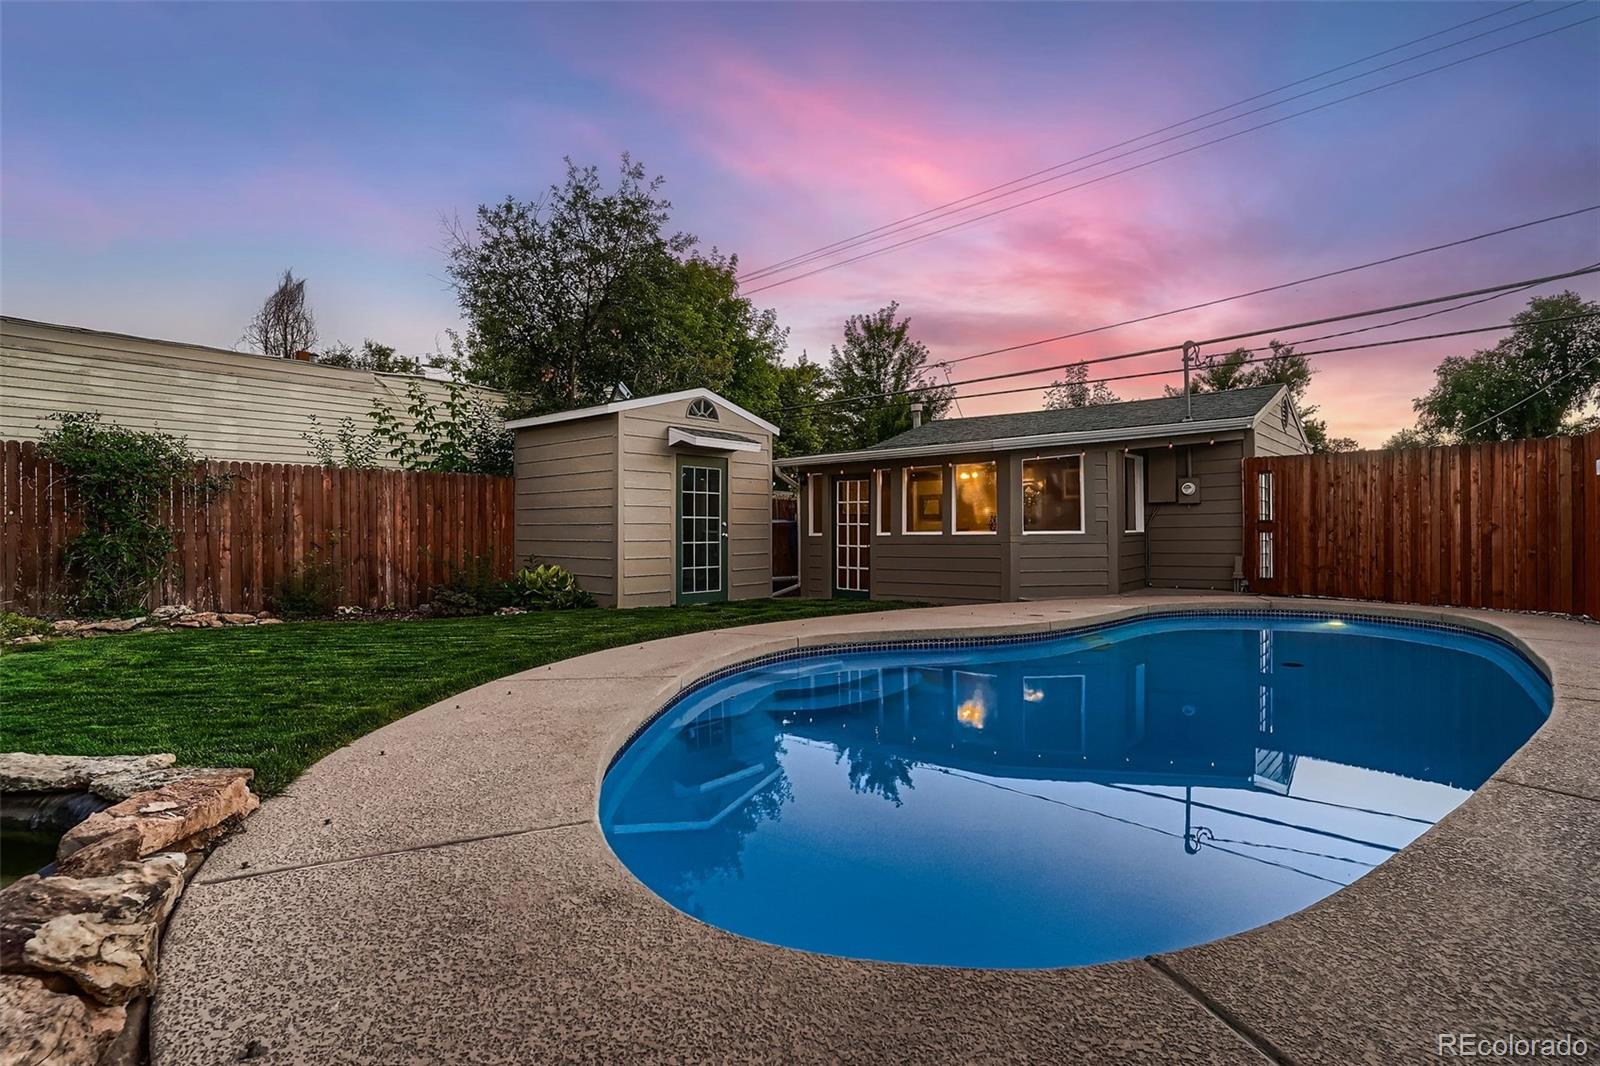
x=120, y=477
x=315, y=587
x=20, y=625
x=549, y=588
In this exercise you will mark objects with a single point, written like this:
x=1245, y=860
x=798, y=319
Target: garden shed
x=650, y=501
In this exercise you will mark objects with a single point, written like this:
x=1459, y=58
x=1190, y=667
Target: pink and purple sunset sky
x=161, y=164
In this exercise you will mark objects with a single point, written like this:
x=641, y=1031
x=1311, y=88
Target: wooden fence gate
x=380, y=537
x=1514, y=526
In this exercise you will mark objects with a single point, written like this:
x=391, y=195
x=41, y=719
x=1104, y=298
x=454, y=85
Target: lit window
x=924, y=499
x=1264, y=556
x=884, y=506
x=1264, y=496
x=703, y=408
x=817, y=511
x=1052, y=495
x=1133, y=494
x=977, y=491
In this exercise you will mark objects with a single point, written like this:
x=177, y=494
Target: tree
x=1240, y=369
x=877, y=366
x=1406, y=439
x=1072, y=389
x=1536, y=382
x=380, y=358
x=284, y=325
x=572, y=293
x=805, y=425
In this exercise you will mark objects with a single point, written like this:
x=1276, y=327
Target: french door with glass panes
x=702, y=541
x=852, y=545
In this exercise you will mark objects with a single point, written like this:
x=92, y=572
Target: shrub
x=314, y=587
x=20, y=625
x=549, y=588
x=120, y=476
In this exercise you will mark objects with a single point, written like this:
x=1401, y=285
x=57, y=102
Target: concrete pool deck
x=439, y=891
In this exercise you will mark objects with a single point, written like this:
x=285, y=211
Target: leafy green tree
x=1240, y=369
x=569, y=295
x=1536, y=382
x=1072, y=389
x=1406, y=439
x=806, y=426
x=877, y=364
x=465, y=434
x=380, y=358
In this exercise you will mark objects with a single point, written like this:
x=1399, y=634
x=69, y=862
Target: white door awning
x=716, y=440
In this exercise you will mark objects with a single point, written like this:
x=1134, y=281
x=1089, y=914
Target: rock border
x=79, y=941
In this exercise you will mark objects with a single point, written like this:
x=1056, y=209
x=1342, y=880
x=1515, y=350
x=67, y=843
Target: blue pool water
x=1134, y=789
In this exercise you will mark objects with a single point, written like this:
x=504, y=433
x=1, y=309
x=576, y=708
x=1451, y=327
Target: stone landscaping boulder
x=43, y=1024
x=112, y=625
x=239, y=619
x=101, y=932
x=22, y=772
x=171, y=612
x=128, y=783
x=199, y=620
x=182, y=815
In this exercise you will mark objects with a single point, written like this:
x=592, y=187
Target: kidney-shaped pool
x=1135, y=788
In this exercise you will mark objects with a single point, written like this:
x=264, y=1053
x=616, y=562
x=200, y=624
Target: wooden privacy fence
x=378, y=537
x=785, y=541
x=1514, y=526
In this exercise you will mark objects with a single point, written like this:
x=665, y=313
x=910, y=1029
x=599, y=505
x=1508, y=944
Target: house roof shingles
x=1110, y=417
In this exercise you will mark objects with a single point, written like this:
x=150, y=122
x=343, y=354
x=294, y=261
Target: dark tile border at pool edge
x=1365, y=613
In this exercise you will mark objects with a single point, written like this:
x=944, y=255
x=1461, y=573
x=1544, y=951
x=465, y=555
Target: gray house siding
x=567, y=500
x=1196, y=545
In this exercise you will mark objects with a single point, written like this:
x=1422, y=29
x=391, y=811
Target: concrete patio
x=439, y=891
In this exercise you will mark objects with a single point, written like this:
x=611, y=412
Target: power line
x=1169, y=371
x=943, y=210
x=1170, y=155
x=1525, y=283
x=1275, y=288
x=1537, y=392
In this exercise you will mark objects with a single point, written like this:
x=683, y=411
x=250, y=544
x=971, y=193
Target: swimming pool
x=1135, y=788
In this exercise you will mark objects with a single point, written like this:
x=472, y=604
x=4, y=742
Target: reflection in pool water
x=1136, y=789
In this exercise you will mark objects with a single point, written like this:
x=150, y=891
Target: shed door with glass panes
x=702, y=555
x=852, y=546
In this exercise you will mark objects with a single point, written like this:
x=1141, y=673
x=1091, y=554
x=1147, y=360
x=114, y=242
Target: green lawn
x=278, y=698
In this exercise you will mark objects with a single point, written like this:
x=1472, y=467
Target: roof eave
x=1042, y=440
x=601, y=410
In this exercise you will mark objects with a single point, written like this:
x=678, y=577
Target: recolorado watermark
x=1510, y=1046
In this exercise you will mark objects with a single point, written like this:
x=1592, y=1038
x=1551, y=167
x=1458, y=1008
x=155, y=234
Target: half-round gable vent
x=702, y=408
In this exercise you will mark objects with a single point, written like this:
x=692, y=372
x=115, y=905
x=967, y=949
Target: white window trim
x=954, y=477
x=1083, y=508
x=1082, y=708
x=813, y=481
x=1138, y=482
x=880, y=487
x=905, y=500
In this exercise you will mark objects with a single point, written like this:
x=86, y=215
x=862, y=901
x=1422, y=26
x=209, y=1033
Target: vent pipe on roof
x=916, y=414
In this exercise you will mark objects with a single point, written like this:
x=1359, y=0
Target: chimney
x=304, y=357
x=916, y=414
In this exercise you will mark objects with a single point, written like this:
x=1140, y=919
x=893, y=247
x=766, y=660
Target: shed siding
x=566, y=477
x=1272, y=437
x=1195, y=546
x=649, y=504
x=231, y=405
